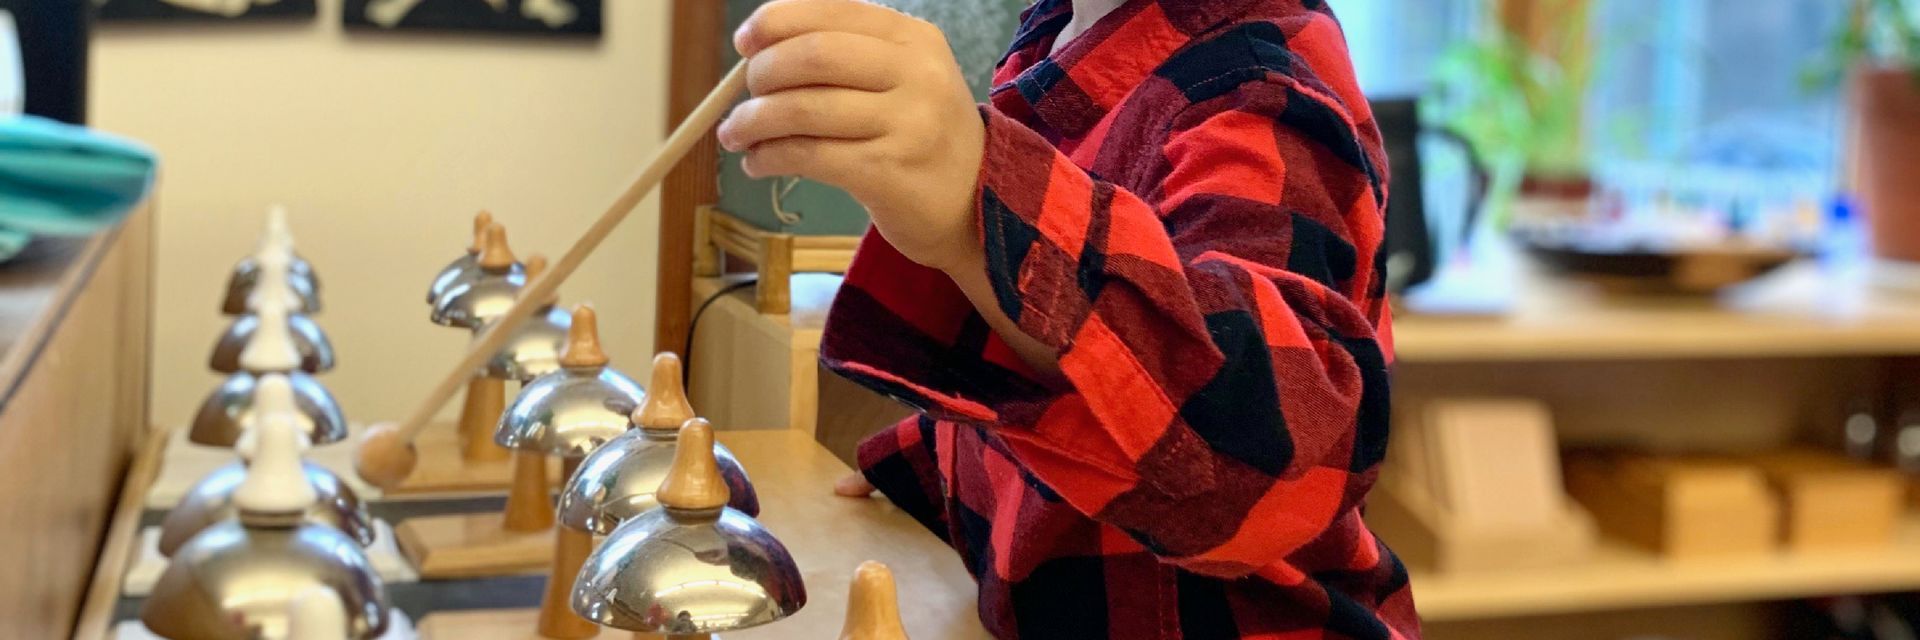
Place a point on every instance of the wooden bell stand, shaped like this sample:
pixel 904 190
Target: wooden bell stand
pixel 775 256
pixel 516 541
pixel 464 459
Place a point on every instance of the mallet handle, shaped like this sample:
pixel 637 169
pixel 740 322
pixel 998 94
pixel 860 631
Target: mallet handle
pixel 541 290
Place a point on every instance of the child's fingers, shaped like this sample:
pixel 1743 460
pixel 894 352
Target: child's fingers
pixel 814 112
pixel 835 58
pixel 783 19
pixel 834 162
pixel 853 485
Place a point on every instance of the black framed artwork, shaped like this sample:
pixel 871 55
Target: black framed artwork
pixel 577 18
pixel 202 10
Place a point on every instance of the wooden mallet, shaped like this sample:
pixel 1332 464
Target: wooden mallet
pixel 386 454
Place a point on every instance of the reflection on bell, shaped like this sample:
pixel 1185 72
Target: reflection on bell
pixel 239 579
pixel 246 274
pixel 617 481
pixel 464 269
pixel 693 566
pixel 572 411
pixel 210 501
pixel 534 349
pixel 471 304
pixel 317 614
pixel 873 607
pixel 220 419
pixel 316 353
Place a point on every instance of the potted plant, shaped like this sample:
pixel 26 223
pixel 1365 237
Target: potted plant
pixel 1519 102
pixel 1878 51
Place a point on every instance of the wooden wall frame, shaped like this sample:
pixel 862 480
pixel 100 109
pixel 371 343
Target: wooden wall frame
pixel 695 65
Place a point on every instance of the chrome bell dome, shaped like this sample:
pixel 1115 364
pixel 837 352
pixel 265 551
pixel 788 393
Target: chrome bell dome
pixel 465 268
pixel 617 481
pixel 534 349
pixel 238 579
pixel 570 412
pixel 471 304
pixel 210 501
pixel 693 566
pixel 221 417
pixel 246 275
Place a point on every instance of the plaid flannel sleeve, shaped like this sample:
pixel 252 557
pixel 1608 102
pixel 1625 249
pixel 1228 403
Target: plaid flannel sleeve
pixel 1228 382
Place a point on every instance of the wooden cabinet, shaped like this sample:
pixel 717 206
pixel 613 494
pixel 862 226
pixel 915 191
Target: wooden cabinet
pixel 73 403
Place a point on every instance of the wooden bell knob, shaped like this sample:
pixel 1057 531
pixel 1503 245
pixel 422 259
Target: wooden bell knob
pixel 495 255
pixel 666 407
pixel 535 265
pixel 583 340
pixel 873 606
pixel 694 482
pixel 481 221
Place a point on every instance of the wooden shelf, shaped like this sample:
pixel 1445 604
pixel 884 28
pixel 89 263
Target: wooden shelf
pixel 1799 311
pixel 1624 577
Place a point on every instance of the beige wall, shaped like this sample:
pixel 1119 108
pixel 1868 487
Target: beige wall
pixel 383 147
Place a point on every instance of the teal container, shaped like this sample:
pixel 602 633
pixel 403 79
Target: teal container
pixel 979 31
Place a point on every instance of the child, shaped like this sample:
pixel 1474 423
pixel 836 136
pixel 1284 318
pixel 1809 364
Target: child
pixel 1137 298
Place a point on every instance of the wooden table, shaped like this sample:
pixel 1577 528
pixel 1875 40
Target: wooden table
pixel 828 535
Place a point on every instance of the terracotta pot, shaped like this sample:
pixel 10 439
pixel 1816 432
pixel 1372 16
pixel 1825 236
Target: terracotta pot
pixel 1887 146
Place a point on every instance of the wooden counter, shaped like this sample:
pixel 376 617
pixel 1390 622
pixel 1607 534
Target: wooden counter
pixel 1799 311
pixel 73 402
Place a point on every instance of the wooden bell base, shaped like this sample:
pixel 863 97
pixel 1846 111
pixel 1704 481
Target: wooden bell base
pixel 472 546
pixel 444 469
pixel 514 624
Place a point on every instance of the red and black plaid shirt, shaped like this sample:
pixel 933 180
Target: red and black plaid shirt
pixel 1186 202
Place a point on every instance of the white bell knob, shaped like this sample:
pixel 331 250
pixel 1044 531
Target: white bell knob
pixel 316 613
pixel 279 234
pixel 272 287
pixel 276 483
pixel 272 395
pixel 271 348
pixel 247 444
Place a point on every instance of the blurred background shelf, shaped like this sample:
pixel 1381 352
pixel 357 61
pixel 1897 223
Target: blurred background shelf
pixel 1620 577
pixel 1799 311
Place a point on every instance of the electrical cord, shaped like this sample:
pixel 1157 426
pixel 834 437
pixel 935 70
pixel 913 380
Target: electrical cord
pixel 693 326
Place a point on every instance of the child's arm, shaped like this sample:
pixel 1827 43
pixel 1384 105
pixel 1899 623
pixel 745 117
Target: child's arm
pixel 1224 396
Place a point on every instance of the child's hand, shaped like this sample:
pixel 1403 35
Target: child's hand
pixel 870 100
pixel 853 485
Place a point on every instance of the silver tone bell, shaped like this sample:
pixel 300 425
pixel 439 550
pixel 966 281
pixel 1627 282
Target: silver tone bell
pixel 316 352
pixel 465 268
pixel 471 304
pixel 221 418
pixel 534 349
pixel 239 580
pixel 693 566
pixel 245 277
pixel 569 412
pixel 617 481
pixel 210 501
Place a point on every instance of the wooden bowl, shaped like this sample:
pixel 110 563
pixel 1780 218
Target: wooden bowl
pixel 1692 270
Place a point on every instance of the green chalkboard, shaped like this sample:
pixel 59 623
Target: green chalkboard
pixel 978 30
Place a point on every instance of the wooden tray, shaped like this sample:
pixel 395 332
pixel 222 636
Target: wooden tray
pixel 775 256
